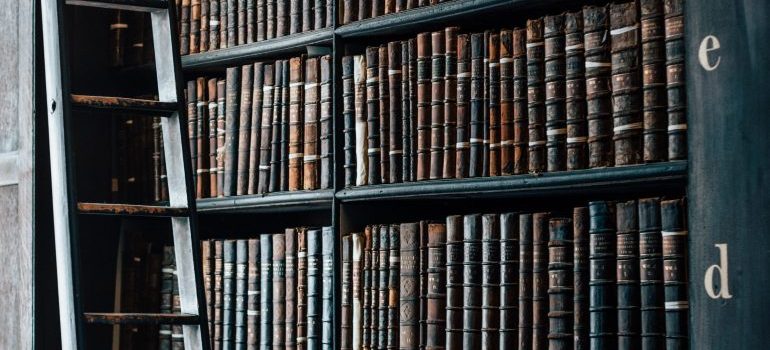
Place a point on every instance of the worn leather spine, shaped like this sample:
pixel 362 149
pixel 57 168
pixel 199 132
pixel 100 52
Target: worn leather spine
pixel 252 295
pixel 652 303
pixel 450 102
pixel 202 140
pixel 346 314
pixel 192 122
pixel 454 282
pixel 279 291
pixel 184 28
pixel 462 138
pixel 435 321
pixel 212 134
pixel 525 281
pixel 477 106
pixel 319 11
pixel 307 15
pixel 472 279
pixel 231 130
pixel 251 25
pixel 536 96
pixel 407 118
pixel 675 255
pixel 295 16
pixel 362 135
pixel 302 288
pixel 560 285
pixel 423 105
pixel 275 137
pixel 296 123
pixel 285 105
pixel 424 231
pixel 349 121
pixel 241 28
pixel 325 167
pixel 395 135
pixel 290 308
pixel 310 159
pixel 261 21
pixel 327 288
pixel 437 105
pixel 675 76
pixel 384 109
pixel 581 271
pixel 575 94
pixel 628 293
pixel 485 119
pixel 413 106
pixel 270 18
pixel 509 281
pixel 364 11
pixel 490 281
pixel 241 262
pixel 218 290
pixel 506 102
pixel 493 105
pixel 394 266
pixel 357 285
pixel 520 103
pixel 232 22
pixel 602 300
pixel 266 291
pixel 555 93
pixel 223 4
pixel 374 289
pixel 598 90
pixel 366 311
pixel 244 129
pixel 266 129
pixel 282 18
pixel 373 115
pixel 653 80
pixel 221 136
pixel 256 125
pixel 349 11
pixel 540 280
pixel 626 84
pixel 214 24
pixel 409 286
pixel 314 288
pixel 382 287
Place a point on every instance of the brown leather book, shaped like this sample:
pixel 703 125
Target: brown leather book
pixel 366 312
pixel 472 279
pixel 675 75
pixel 349 11
pixel 232 23
pixel 409 286
pixel 266 129
pixel 221 121
pixel 454 282
pixel 274 185
pixel 270 17
pixel 437 105
pixel 214 25
pixel 192 123
pixel 540 280
pixel 394 267
pixel 525 281
pixel 653 80
pixel 423 105
pixel 290 320
pixel 364 10
pixel 282 18
pixel 204 27
pixel 346 305
pixel 279 290
pixel 400 5
pixel 202 140
pixel 295 16
pixel 555 109
pixel 374 289
pixel 261 21
pixel 207 259
pixel 435 321
pixel 490 281
pixel 382 287
pixel 357 285
pixel 462 139
pixel 575 95
pixel 373 115
pixel 244 129
pixel 509 280
pixel 626 85
pixel 581 270
pixel 384 105
pixel 241 28
pixel 349 121
pixel 598 93
pixel 285 128
pixel 195 26
pixel 156 163
pixel 256 125
pixel 477 117
pixel 407 118
pixel 251 19
pixel 232 100
pixel 312 113
pixel 319 9
pixel 506 102
pixel 223 23
pixel 395 152
pixel 450 102
pixel 560 287
pixel 485 104
pixel 296 123
pixel 212 134
pixel 390 6
pixel 493 104
pixel 241 291
pixel 307 15
pixel 362 135
pixel 627 267
pixel 536 96
pixel 325 138
pixel 184 28
pixel 423 284
pixel 301 289
pixel 675 254
pixel 377 7
pixel 520 109
pixel 413 106
pixel 218 290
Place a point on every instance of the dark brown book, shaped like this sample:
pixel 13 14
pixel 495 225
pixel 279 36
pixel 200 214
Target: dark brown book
pixel 232 23
pixel 485 115
pixel 454 282
pixel 506 102
pixel 598 94
pixel 241 287
pixel 364 11
pixel 360 103
pixel 525 281
pixel 301 288
pixel 536 96
pixel 555 86
pixel 261 21
pixel 214 25
pixel 312 113
pixel 407 118
pixel 476 125
pixel 296 123
pixel 509 281
pixel 202 140
pixel 244 129
pixel 394 268
pixel 560 287
pixel 423 314
pixel 675 75
pixel 282 18
pixel 520 109
pixel 295 16
pixel 423 105
pixel 435 321
pixel 290 319
pixel 266 129
pixel 266 291
pixel 270 17
pixel 204 26
pixel 675 280
pixel 382 286
pixel 366 309
pixel 602 301
pixel 437 105
pixel 212 137
pixel 307 15
pixel 242 27
pixel 349 11
pixel 223 4
pixel 274 184
pixel 540 280
pixel 157 136
pixel 251 18
pixel 349 121
pixel 413 107
pixel 231 130
pixel 575 95
pixel 626 84
pixel 493 104
pixel 319 10
pixel 377 7
pixel 390 6
pixel 450 102
pixel 184 28
pixel 374 288
pixel 218 291
pixel 462 139
pixel 279 290
pixel 284 164
pixel 384 108
pixel 252 297
pixel 653 80
pixel 221 139
pixel 472 279
pixel 256 126
pixel 325 138
pixel 346 305
pixel 628 292
pixel 409 282
pixel 357 285
pixel 580 271
pixel 195 26
pixel 373 115
pixel 490 281
pixel 653 324
pixel 192 123
pixel 395 151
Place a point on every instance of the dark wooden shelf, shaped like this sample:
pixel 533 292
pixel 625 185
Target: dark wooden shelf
pixel 591 182
pixel 295 201
pixel 271 48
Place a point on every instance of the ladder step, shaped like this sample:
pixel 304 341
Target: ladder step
pixel 124 104
pixel 131 210
pixel 130 5
pixel 140 318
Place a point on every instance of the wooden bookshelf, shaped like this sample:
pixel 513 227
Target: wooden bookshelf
pixel 278 202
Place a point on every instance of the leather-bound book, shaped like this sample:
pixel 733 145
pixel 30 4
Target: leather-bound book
pixel 270 17
pixel 212 137
pixel 382 287
pixel 436 287
pixel 399 6
pixel 575 94
pixel 327 147
pixel 540 280
pixel 506 102
pixel 560 285
pixel 256 125
pixel 202 140
pixel 409 286
pixel 327 288
pixel 314 288
pixel 282 18
pixel 241 287
pixel 626 84
pixel 207 257
pixel 395 136
pixel 362 135
pixel 490 280
pixel 477 106
pixel 261 20
pixel 373 115
pixel 437 105
pixel 232 22
pixel 156 163
pixel 423 284
pixel 290 309
pixel 675 75
pixel 204 27
pixel 266 291
pixel 653 80
pixel 374 290
pixel 346 324
pixel 218 291
pixel 423 105
pixel 472 277
pixel 384 105
pixel 413 107
pixel 285 102
pixel 536 96
pixel 602 301
pixel 377 7
pixel 320 14
pixel 241 28
pixel 184 28
pixel 192 123
pixel 493 104
pixel 454 282
pixel 509 281
pixel 266 128
pixel 462 138
pixel 627 251
pixel 177 335
pixel 520 109
pixel 485 114
pixel 366 295
pixel 394 267
pixel 228 294
pixel 555 93
pixel 312 114
pixel 244 130
pixel 357 284
pixel 407 118
pixel 231 130
pixel 598 94
pixel 275 137
pixel 307 15
pixel 295 16
pixel 653 324
pixel 674 231
pixel 223 23
pixel 252 295
pixel 390 6
pixel 349 120
pixel 251 19
pixel 364 11
pixel 302 288
pixel 580 271
pixel 525 281
pixel 330 6
pixel 349 11
pixel 421 3
pixel 214 25
pixel 296 123
pixel 450 102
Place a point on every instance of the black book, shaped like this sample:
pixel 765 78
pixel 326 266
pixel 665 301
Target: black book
pixel 653 326
pixel 555 93
pixel 231 130
pixel 628 275
pixel 382 287
pixel 540 280
pixel 279 290
pixel 266 291
pixel 560 287
pixel 349 120
pixel 346 326
pixel 266 129
pixel 314 289
pixel 228 294
pixel 373 114
pixel 675 75
pixel 525 281
pixel 325 122
pixel 490 281
pixel 241 263
pixel 674 231
pixel 472 281
pixel 290 318
pixel 536 96
pixel 252 295
pixel 275 138
pixel 327 288
pixel 509 281
pixel 477 106
pixel 581 272
pixel 454 282
pixel 284 140
pixel 218 293
pixel 407 118
pixel 601 306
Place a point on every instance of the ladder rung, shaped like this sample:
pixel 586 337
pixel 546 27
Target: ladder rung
pixel 140 318
pixel 130 209
pixel 130 5
pixel 123 104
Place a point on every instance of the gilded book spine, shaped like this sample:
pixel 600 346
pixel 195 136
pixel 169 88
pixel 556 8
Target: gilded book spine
pixel 311 133
pixel 626 84
pixel 653 80
pixel 535 96
pixel 231 130
pixel 575 96
pixel 555 93
pixel 374 152
pixel 520 109
pixel 244 129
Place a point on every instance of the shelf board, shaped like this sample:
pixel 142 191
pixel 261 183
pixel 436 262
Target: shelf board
pixel 271 48
pixel 294 201
pixel 591 182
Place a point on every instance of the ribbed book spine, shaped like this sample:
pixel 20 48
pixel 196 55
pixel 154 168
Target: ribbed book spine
pixel 349 120
pixel 472 278
pixel 296 123
pixel 450 102
pixel 223 23
pixel 413 107
pixel 346 324
pixel 509 281
pixel 156 163
pixel 602 305
pixel 436 287
pixel 555 93
pixel 628 292
pixel 423 284
pixel 314 288
pixel 251 25
pixel 228 294
pixel 394 267
pixel 382 287
pixel 360 104
pixel 252 295
pixel 407 118
pixel 192 123
pixel 675 75
pixel 285 103
pixel 207 254
pixel 525 281
pixel 357 285
pixel 485 119
pixel 212 135
pixel 282 18
pixel 437 105
pixel 626 84
pixel 409 283
pixel 266 129
pixel 535 96
pixel 374 293
pixel 560 286
pixel 493 104
pixel 520 108
pixel 396 151
pixel 241 22
pixel 312 112
pixel 454 282
pixel 184 28
pixel 653 80
pixel 307 15
pixel 232 22
pixel 279 291
pixel 366 314
pixel 363 9
pixel 581 271
pixel 490 280
pixel 244 130
pixel 325 120
pixel 674 231
pixel 540 280
pixel 598 94
pixel 349 11
pixel 256 127
pixel 166 291
pixel 177 335
pixel 462 139
pixel 241 265
pixel 384 110
pixel 202 141
pixel 575 94
pixel 295 16
pixel 270 17
pixel 204 26
pixel 274 184
pixel 218 293
pixel 266 291
pixel 261 21
pixel 423 105
pixel 373 115
pixel 477 116
pixel 319 10
pixel 653 325
pixel 506 102
pixel 214 24
pixel 327 288
pixel 302 288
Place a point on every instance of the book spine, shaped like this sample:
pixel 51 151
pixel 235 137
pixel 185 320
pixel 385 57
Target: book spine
pixel 244 130
pixel 327 288
pixel 252 295
pixel 368 277
pixel 407 118
pixel 214 24
pixel 575 95
pixel 540 280
pixel 472 279
pixel 390 6
pixel 377 8
pixel 310 158
pixel 602 314
pixel 202 140
pixel 241 27
pixel 218 293
pixel 675 75
pixel 581 270
pixel 251 25
pixel 290 319
pixel 653 322
pixel 157 137
pixel 555 93
pixel 349 120
pixel 166 296
pixel 438 63
pixel 525 281
pixel 207 252
pixel 423 284
pixel 520 109
pixel 285 103
pixel 423 105
pixel 436 287
pixel 261 21
pixel 314 288
pixel 509 281
pixel 266 291
pixel 373 115
pixel 266 129
pixel 454 282
pixel 330 13
pixel 223 4
pixel 195 26
pixel 535 96
pixel 409 287
pixel 674 231
pixel 560 284
pixel 184 29
pixel 296 123
pixel 506 102
pixel 626 84
pixel 228 294
pixel 232 23
pixel 295 17
pixel 485 115
pixel 450 102
pixel 212 137
pixel 349 11
pixel 279 291
pixel 241 265
pixel 177 337
pixel 325 138
pixel 282 18
pixel 192 123
pixel 346 316
pixel 256 127
pixel 493 105
pixel 382 287
pixel 628 293
pixel 394 268
pixel 360 104
pixel 270 17
pixel 275 137
pixel 221 135
pixel 231 131
pixel 395 152
pixel 462 139
pixel 490 280
pixel 319 21
pixel 357 285
pixel 302 288
pixel 363 9
pixel 413 108
pixel 476 124
pixel 204 26
pixel 598 94
pixel 653 80
pixel 307 15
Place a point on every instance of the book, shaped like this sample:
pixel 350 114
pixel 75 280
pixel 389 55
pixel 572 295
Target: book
pixel 314 288
pixel 327 288
pixel 555 93
pixel 278 285
pixel 296 124
pixel 364 11
pixel 560 284
pixel 266 129
pixel 241 27
pixel 212 137
pixel 192 124
pixel 232 23
pixel 228 293
pixel 377 8
pixel 454 282
pixel 477 116
pixel 506 102
pixel 598 91
pixel 311 132
pixel 290 318
pixel 214 24
pixel 307 15
pixel 382 286
pixel 407 117
pixel 223 23
pixel 204 26
pixel 653 80
pixel 423 105
pixel 270 17
pixel 266 291
pixel 409 282
pixel 207 254
pixel 195 26
pixel 274 184
pixel 675 86
pixel 626 84
pixel 493 105
pixel 525 281
pixel 413 106
pixel 394 269
pixel 284 140
pixel 575 94
pixel 295 16
pixel 261 21
pixel 438 62
pixel 357 285
pixel 166 291
pixel 535 96
pixel 628 292
pixel 184 28
pixel 520 109
pixel 674 230
pixel 436 287
pixel 252 294
pixel 241 287
pixel 244 129
pixel 485 106
pixel 221 136
pixel 472 279
pixel 218 293
pixel 462 138
pixel 509 280
pixel 202 140
pixel 424 231
pixel 373 115
pixel 319 9
pixel 251 24
pixel 177 337
pixel 540 280
pixel 231 131
pixel 325 139
pixel 602 303
pixel 302 288
pixel 346 303
pixel 450 102
pixel 156 163
pixel 349 121
pixel 368 279
pixel 395 135
pixel 349 11
pixel 282 18
pixel 490 275
pixel 580 271
pixel 362 136
pixel 652 302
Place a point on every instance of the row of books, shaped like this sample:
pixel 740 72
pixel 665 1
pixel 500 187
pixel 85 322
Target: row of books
pixel 206 25
pixel 611 275
pixel 169 336
pixel 594 88
pixel 272 291
pixel 265 128
pixel 355 10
